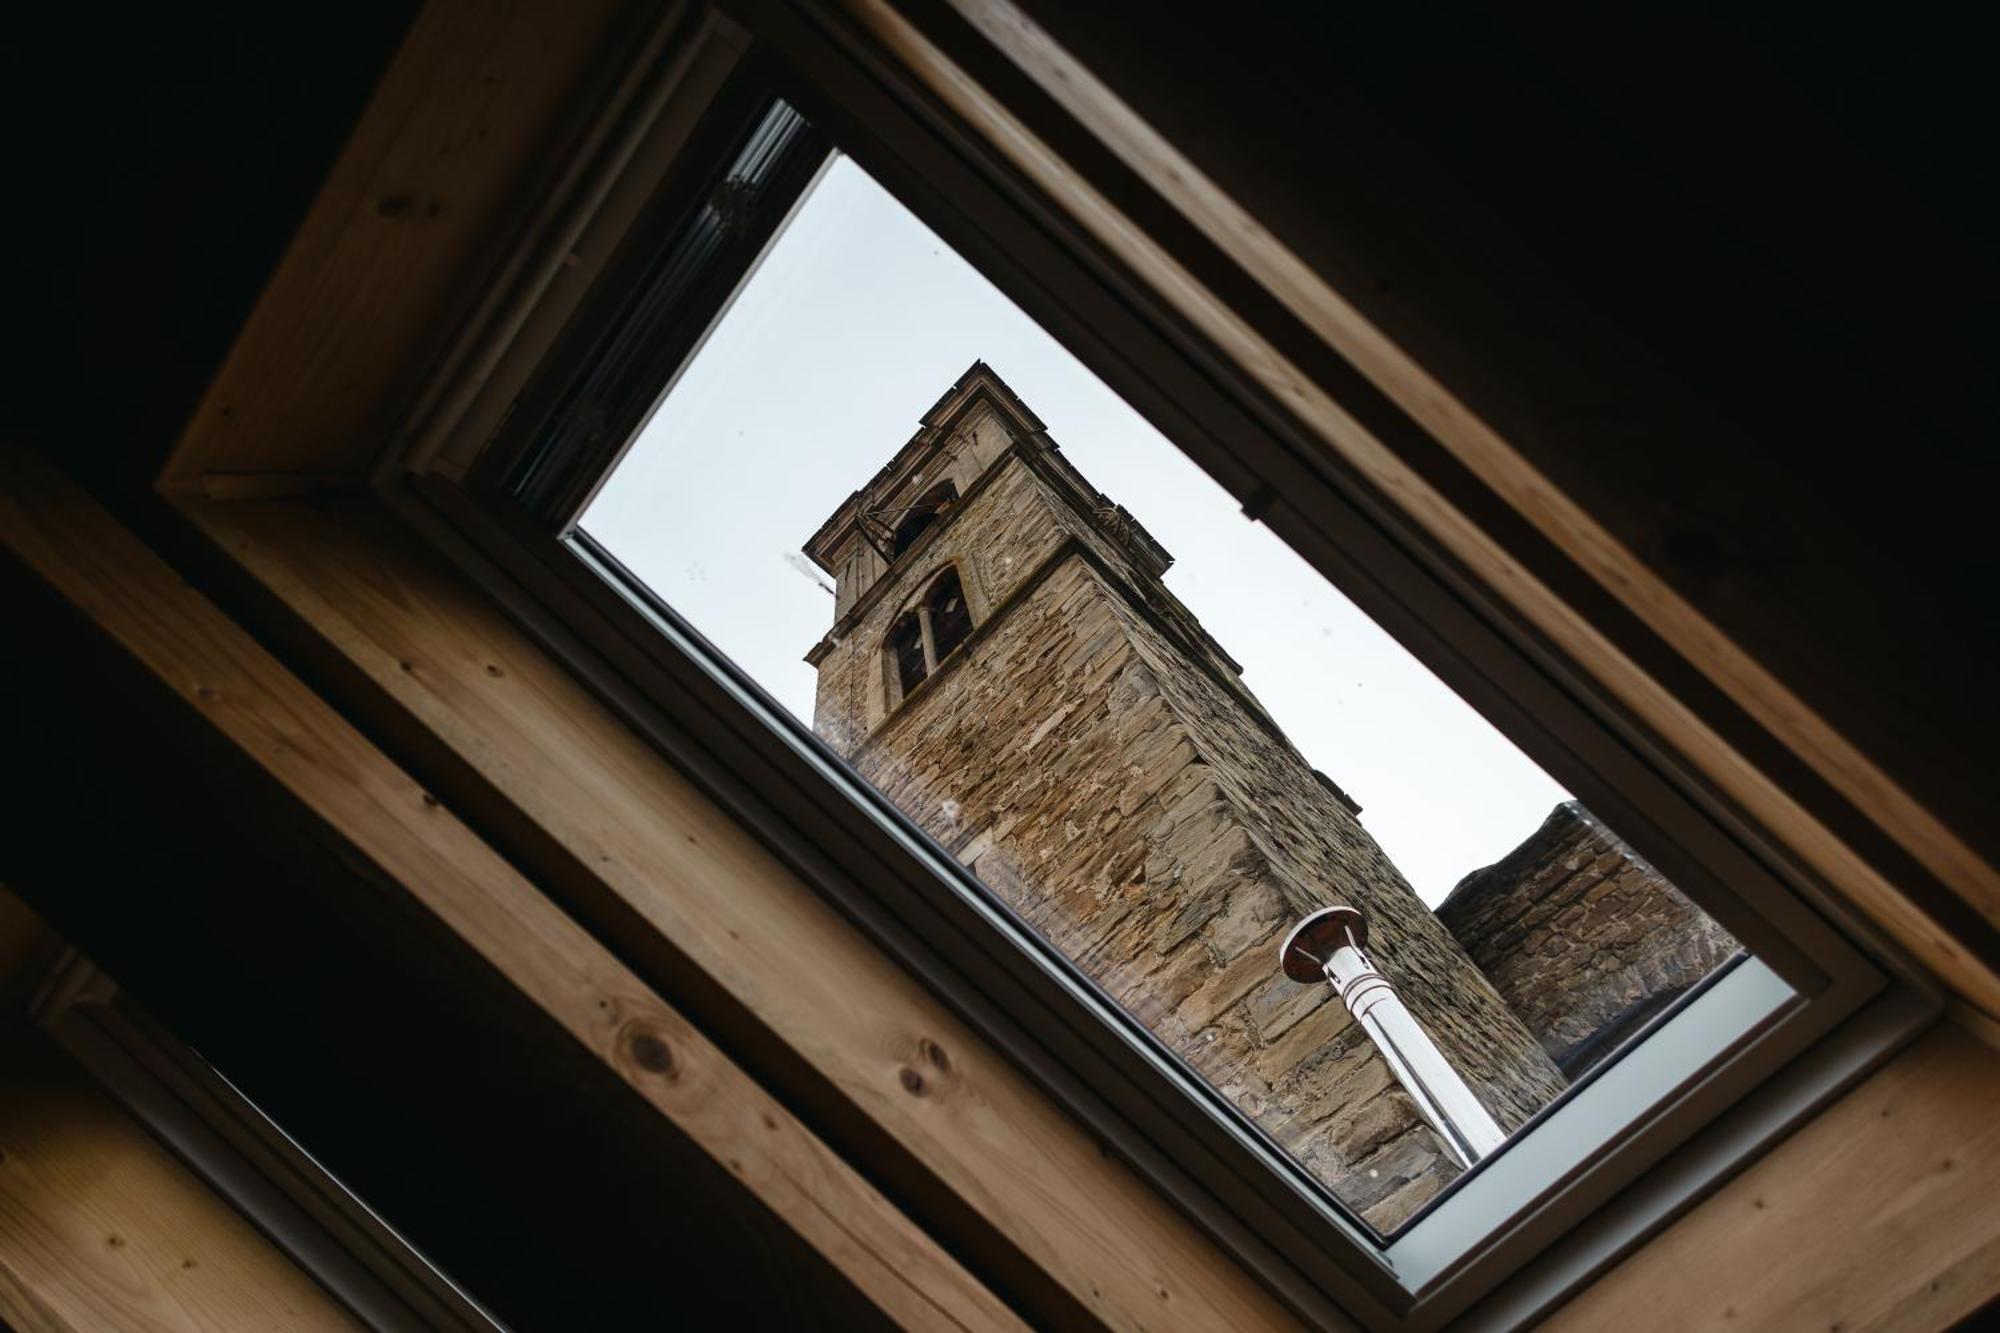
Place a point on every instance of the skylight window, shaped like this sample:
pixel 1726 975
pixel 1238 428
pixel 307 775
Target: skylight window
pixel 1383 1002
pixel 1124 751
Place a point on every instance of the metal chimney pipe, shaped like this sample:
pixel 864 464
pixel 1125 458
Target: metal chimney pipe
pixel 1327 946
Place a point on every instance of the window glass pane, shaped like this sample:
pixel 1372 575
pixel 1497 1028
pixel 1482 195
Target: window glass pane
pixel 1162 763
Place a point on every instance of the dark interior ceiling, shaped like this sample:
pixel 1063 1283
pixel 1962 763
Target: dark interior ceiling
pixel 160 158
pixel 517 1161
pixel 1729 278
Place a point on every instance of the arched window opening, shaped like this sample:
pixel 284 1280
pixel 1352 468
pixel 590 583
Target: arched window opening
pixel 925 635
pixel 906 646
pixel 950 617
pixel 917 519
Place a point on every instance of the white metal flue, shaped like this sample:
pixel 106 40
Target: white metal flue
pixel 1328 946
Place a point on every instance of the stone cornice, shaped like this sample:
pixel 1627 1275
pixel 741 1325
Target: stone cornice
pixel 1040 455
pixel 979 384
pixel 909 558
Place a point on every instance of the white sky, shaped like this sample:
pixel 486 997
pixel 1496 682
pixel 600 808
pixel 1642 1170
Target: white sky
pixel 857 320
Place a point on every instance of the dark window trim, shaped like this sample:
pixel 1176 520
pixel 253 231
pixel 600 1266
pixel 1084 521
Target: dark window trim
pixel 722 729
pixel 746 167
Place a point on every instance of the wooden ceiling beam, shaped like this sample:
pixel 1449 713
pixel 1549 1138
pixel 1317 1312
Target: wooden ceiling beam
pixel 307 750
pixel 440 173
pixel 505 731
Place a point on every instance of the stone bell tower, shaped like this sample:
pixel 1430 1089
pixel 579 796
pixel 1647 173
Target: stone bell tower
pixel 1007 666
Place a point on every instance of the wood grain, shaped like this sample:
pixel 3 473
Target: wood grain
pixel 1881 1214
pixel 294 736
pixel 565 763
pixel 432 179
pixel 1311 299
pixel 100 1228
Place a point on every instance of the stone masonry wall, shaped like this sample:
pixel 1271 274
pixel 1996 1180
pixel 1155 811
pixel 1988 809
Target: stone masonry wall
pixel 1100 768
pixel 1001 534
pixel 1051 762
pixel 1321 854
pixel 1583 938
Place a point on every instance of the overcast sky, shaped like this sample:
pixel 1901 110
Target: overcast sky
pixel 853 325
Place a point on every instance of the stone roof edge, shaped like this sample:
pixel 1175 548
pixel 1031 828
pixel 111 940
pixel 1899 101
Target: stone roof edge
pixel 930 535
pixel 933 427
pixel 1039 454
pixel 1478 884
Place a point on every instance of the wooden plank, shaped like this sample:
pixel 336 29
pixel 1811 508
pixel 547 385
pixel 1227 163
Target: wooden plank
pixel 100 1228
pixel 460 669
pixel 435 171
pixel 1312 300
pixel 295 737
pixel 1882 1213
pixel 413 1086
pixel 1976 1022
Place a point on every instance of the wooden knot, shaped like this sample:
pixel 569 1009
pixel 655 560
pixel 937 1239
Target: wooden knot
pixel 650 1053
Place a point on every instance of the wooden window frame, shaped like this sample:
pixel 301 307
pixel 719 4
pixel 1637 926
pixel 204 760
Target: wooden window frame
pixel 463 484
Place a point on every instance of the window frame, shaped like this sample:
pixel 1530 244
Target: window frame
pixel 719 727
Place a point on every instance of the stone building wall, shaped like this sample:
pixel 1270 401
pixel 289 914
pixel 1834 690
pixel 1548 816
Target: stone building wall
pixel 1050 761
pixel 998 534
pixel 977 440
pixel 1321 854
pixel 1091 755
pixel 1582 938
